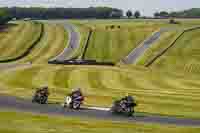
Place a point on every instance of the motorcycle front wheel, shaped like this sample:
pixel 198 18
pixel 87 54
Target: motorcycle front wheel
pixel 76 105
pixel 129 112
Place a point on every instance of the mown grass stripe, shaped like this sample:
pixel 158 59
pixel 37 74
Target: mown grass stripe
pixel 28 50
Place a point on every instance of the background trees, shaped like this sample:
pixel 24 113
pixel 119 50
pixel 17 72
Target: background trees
pixel 63 13
pixel 137 14
pixel 190 13
pixel 4 17
pixel 129 14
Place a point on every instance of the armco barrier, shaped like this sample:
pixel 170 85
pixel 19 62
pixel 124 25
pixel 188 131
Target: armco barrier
pixel 87 44
pixel 81 62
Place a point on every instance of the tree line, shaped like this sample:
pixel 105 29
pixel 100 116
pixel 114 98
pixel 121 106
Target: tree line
pixel 4 17
pixel 7 14
pixel 63 13
pixel 130 14
pixel 190 13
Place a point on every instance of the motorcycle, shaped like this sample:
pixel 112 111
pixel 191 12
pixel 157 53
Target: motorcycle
pixel 40 98
pixel 121 107
pixel 73 103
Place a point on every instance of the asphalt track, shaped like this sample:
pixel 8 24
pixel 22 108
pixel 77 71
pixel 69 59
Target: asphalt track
pixel 137 52
pixel 22 105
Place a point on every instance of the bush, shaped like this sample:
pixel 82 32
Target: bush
pixel 4 17
pixel 112 27
pixel 172 21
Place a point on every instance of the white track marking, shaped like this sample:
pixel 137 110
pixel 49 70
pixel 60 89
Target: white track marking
pixel 98 108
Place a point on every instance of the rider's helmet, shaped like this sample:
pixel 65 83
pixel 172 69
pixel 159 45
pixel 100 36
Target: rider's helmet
pixel 76 89
pixel 129 98
pixel 127 94
pixel 45 90
pixel 45 87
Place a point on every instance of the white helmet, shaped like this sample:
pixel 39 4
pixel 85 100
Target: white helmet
pixel 76 89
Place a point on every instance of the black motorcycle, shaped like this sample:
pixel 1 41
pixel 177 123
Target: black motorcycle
pixel 123 107
pixel 40 98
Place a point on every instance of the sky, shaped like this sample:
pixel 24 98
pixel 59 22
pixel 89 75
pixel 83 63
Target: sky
pixel 147 7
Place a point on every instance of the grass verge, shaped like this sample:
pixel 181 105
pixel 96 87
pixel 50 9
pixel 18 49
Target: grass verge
pixel 18 122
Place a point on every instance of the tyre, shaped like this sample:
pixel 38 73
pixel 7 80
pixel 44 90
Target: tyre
pixel 43 99
pixel 129 112
pixel 35 99
pixel 76 105
pixel 71 106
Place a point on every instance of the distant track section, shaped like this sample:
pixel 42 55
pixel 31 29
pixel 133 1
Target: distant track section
pixel 73 43
pixel 171 45
pixel 137 52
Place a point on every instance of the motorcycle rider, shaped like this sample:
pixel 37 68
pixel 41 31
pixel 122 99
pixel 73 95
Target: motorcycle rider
pixel 43 91
pixel 76 93
pixel 74 99
pixel 41 95
pixel 127 101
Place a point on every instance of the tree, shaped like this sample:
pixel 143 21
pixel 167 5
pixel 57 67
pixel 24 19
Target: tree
pixel 173 14
pixel 164 14
pixel 4 17
pixel 156 14
pixel 137 14
pixel 129 13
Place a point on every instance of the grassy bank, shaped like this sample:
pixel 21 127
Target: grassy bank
pixel 172 94
pixel 112 44
pixel 52 43
pixel 183 55
pixel 163 42
pixel 16 41
pixel 12 122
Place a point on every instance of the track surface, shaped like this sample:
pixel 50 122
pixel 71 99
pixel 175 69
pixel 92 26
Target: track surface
pixel 73 43
pixel 18 104
pixel 137 52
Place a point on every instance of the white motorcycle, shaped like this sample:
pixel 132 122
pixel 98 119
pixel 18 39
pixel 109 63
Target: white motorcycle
pixel 73 103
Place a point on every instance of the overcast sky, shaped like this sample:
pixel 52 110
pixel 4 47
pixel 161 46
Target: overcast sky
pixel 147 7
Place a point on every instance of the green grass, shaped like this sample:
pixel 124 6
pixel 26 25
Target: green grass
pixel 183 56
pixel 53 41
pixel 16 122
pixel 157 91
pixel 163 42
pixel 114 44
pixel 17 40
pixel 171 94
